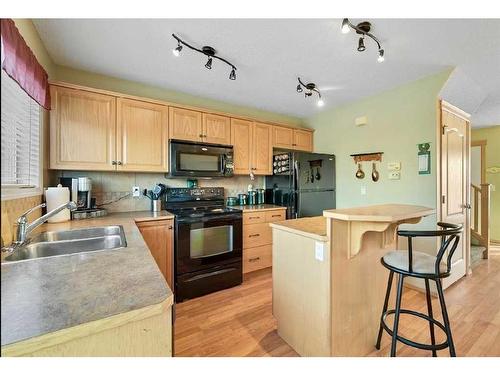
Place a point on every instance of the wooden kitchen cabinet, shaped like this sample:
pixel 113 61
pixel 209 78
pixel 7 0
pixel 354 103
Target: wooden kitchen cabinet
pixel 258 238
pixel 216 129
pixel 158 235
pixel 241 139
pixel 302 140
pixel 185 124
pixel 142 136
pixel 82 130
pixel 282 137
pixel 262 149
pixel 292 139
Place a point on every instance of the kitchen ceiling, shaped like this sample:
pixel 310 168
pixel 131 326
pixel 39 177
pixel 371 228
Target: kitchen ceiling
pixel 271 53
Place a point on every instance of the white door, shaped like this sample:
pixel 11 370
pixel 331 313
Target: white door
pixel 455 177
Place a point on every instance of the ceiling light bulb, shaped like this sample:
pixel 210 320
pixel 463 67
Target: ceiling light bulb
pixel 208 65
pixel 177 51
pixel 345 26
pixel 232 76
pixel 361 44
pixel 320 103
pixel 299 88
pixel 381 57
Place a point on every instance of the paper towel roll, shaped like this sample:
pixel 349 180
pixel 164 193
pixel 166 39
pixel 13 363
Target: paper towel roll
pixel 54 197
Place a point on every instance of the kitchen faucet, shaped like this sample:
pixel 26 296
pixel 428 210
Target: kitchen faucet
pixel 24 229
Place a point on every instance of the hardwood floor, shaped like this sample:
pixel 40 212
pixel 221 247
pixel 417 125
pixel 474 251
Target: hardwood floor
pixel 239 321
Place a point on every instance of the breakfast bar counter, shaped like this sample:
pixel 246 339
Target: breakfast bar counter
pixel 49 301
pixel 328 290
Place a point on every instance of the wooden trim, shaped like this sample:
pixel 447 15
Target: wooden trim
pixel 172 104
pixel 455 110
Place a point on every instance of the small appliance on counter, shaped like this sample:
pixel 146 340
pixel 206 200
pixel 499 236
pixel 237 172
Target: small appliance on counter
pixel 208 241
pixel 80 192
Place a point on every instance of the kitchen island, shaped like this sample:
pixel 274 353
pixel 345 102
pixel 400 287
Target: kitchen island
pixel 101 303
pixel 328 283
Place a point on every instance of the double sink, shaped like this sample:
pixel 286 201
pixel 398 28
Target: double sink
pixel 57 243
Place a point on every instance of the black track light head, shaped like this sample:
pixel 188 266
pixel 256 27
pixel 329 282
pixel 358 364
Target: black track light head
pixel 232 75
pixel 381 57
pixel 299 88
pixel 345 26
pixel 361 44
pixel 307 94
pixel 208 65
pixel 177 51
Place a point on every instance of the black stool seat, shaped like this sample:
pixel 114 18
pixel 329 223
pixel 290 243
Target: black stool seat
pixel 424 266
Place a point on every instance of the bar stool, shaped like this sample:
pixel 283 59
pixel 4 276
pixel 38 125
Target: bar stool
pixel 423 266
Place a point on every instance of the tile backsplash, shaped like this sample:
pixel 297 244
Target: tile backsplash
pixel 113 190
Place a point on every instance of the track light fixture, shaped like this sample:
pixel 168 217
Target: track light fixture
pixel 310 88
pixel 208 51
pixel 363 29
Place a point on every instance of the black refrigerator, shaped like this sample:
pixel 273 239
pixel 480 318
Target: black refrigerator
pixel 303 182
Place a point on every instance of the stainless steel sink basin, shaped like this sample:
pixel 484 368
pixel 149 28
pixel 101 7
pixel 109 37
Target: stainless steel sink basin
pixel 50 244
pixel 78 234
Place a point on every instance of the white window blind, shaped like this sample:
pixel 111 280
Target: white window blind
pixel 20 120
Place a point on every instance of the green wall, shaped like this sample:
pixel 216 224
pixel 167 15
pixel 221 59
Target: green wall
pixel 398 120
pixel 492 136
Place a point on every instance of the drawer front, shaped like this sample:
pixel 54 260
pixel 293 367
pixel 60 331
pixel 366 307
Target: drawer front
pixel 275 216
pixel 254 217
pixel 257 258
pixel 257 235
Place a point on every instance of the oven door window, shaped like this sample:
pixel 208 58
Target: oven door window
pixel 199 162
pixel 206 242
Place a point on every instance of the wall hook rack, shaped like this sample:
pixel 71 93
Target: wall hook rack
pixel 371 156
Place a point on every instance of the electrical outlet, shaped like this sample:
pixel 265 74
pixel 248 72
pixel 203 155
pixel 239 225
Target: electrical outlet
pixel 136 191
pixel 319 251
pixel 396 175
pixel 394 166
pixel 363 190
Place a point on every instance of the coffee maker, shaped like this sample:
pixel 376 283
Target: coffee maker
pixel 80 191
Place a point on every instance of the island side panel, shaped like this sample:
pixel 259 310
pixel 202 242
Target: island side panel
pixel 301 293
pixel 358 289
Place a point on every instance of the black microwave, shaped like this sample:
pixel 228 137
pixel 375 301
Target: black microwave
pixel 191 159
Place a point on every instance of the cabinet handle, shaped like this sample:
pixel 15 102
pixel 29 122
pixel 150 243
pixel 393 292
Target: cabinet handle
pixel 119 163
pixel 276 216
pixel 254 235
pixel 113 162
pixel 254 259
pixel 253 217
pixel 170 227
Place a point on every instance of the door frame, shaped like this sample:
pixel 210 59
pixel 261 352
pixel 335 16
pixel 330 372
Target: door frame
pixel 439 129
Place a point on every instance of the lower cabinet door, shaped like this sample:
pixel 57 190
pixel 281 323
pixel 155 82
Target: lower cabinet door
pixel 257 258
pixel 158 235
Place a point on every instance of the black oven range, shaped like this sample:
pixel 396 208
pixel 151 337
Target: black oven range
pixel 208 241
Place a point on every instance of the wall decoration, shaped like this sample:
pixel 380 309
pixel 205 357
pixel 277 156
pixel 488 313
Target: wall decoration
pixel 424 158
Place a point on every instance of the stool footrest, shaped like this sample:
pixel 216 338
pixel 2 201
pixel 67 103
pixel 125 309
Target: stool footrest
pixel 412 343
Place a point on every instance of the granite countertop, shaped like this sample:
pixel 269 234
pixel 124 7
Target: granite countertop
pixel 44 295
pixel 313 227
pixel 260 207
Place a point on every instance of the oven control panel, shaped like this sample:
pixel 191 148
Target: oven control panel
pixel 186 194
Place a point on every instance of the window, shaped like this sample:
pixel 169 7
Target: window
pixel 20 121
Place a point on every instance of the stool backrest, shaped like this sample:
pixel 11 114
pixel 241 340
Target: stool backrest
pixel 450 236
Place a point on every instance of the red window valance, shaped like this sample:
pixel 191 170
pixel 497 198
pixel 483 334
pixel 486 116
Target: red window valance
pixel 20 63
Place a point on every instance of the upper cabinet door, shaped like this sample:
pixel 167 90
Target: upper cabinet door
pixel 82 130
pixel 262 150
pixel 302 140
pixel 185 124
pixel 282 137
pixel 241 139
pixel 216 129
pixel 142 136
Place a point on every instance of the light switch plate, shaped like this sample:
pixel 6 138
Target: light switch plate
pixel 394 166
pixel 395 175
pixel 319 251
pixel 363 190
